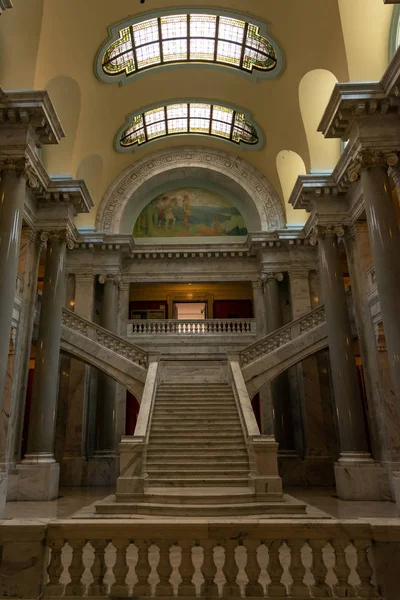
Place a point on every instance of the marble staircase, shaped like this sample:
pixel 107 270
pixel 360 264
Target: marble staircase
pixel 197 460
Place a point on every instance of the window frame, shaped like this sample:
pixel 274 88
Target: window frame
pixel 123 78
pixel 170 136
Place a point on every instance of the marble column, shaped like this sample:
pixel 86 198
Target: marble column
pixel 39 473
pixel 73 467
pixel 384 235
pixel 102 467
pixel 351 422
pixel 259 308
pixel 123 316
pixel 12 198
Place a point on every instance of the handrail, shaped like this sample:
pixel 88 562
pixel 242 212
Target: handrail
pixel 191 327
pixel 282 336
pixel 104 337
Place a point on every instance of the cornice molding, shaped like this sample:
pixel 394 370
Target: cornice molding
pixel 34 108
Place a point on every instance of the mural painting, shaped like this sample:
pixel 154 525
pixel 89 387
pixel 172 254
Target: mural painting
pixel 189 212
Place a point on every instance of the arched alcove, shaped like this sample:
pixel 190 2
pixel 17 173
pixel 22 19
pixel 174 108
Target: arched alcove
pixel 91 171
pixel 141 182
pixel 314 93
pixel 290 165
pixel 65 94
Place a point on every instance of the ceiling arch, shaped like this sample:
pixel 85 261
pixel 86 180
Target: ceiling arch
pixel 290 165
pixel 255 197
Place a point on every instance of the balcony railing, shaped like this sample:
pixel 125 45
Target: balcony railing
pixel 191 327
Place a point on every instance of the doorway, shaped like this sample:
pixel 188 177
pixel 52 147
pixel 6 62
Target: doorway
pixel 190 311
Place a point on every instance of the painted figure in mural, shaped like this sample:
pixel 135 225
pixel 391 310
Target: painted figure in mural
pixel 187 209
pixel 217 226
pixel 170 218
pixel 161 211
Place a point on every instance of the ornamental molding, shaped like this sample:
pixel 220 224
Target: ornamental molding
pixel 58 235
pixel 31 108
pixel 266 199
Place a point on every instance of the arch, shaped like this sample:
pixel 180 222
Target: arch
pixel 188 117
pixel 65 93
pixel 258 201
pixel 90 169
pixel 290 165
pixel 314 93
pixel 188 36
pixel 366 30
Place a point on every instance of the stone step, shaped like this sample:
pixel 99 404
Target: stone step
pixel 195 384
pixel 194 481
pixel 193 470
pixel 190 454
pixel 204 495
pixel 195 463
pixel 192 510
pixel 211 406
pixel 200 396
pixel 194 439
pixel 204 418
pixel 185 444
pixel 196 427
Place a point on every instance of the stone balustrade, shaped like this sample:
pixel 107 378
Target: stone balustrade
pixel 297 559
pixel 191 327
pixel 104 337
pixel 282 336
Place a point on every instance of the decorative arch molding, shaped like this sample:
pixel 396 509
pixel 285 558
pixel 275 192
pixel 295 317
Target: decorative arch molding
pixel 254 185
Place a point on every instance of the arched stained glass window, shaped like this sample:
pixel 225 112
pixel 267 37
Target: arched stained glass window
pixel 188 118
pixel 185 38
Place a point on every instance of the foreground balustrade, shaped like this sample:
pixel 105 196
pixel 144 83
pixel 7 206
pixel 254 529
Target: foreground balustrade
pixel 191 327
pixel 289 560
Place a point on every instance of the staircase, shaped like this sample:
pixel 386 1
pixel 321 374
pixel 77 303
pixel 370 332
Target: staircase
pixel 197 462
pixel 196 438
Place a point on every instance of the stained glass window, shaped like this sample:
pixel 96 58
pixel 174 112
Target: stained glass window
pixel 180 38
pixel 188 118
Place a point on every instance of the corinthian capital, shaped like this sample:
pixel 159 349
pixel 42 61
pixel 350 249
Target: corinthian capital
pixel 57 235
pixel 367 159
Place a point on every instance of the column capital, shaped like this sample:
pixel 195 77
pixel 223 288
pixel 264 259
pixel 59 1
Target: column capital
pixel 267 275
pixel 257 284
pixel 58 235
pixel 84 276
pixel 320 232
pixel 111 278
pixel 369 158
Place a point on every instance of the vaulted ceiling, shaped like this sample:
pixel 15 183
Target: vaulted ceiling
pixel 52 44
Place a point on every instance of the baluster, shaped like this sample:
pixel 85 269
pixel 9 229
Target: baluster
pixel 231 570
pixel 121 569
pixel 320 589
pixel 143 569
pixel 98 569
pixel 297 570
pixel 275 570
pixel 209 587
pixel 364 570
pixel 186 570
pixel 342 571
pixel 55 569
pixel 253 570
pixel 164 570
pixel 76 569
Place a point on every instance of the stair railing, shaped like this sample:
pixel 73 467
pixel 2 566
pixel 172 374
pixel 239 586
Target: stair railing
pixel 133 448
pixel 282 336
pixel 262 449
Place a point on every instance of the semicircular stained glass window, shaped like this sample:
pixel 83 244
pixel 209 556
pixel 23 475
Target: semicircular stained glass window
pixel 189 38
pixel 187 118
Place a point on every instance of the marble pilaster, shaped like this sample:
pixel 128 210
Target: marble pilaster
pixel 73 467
pixel 12 198
pixel 259 308
pixel 120 397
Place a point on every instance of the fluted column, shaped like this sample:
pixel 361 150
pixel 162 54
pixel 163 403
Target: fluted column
pixel 259 308
pixel 384 235
pixel 12 198
pixel 272 302
pixel 351 423
pixel 105 413
pixel 44 393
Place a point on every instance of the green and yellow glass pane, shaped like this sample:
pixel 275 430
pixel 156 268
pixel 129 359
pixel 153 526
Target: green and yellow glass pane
pixel 203 26
pixel 174 26
pixel 119 56
pixel 259 52
pixel 231 29
pixel 228 53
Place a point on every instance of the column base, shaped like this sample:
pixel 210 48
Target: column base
pixel 30 481
pixel 396 488
pixel 73 471
pixel 3 490
pixel 362 480
pixel 102 469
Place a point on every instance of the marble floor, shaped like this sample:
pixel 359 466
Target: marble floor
pixel 73 499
